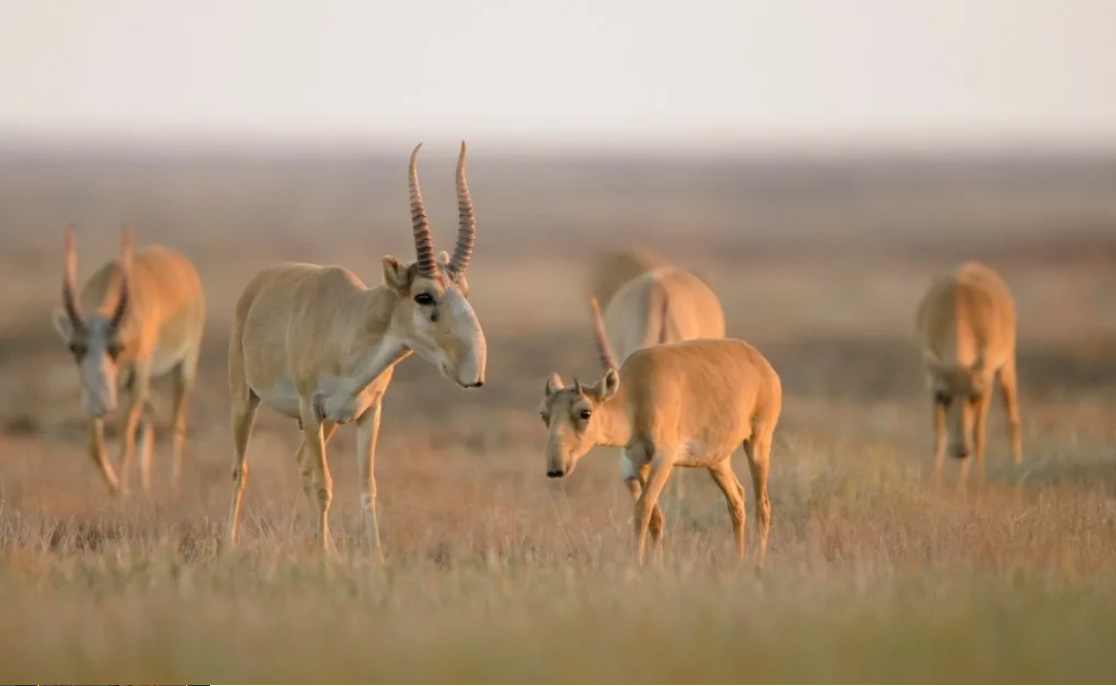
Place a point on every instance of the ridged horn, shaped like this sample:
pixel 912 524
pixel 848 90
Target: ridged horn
pixel 467 220
pixel 69 276
pixel 603 349
pixel 125 277
pixel 424 244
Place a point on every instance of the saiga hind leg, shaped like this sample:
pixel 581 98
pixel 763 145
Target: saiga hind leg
pixel 243 418
pixel 758 451
pixel 726 480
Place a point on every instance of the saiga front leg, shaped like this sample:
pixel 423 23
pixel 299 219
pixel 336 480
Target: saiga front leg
pixel 368 430
pixel 141 384
pixel 635 485
pixel 979 431
pixel 305 461
pixel 660 469
pixel 315 463
pixel 1009 389
pixel 98 452
pixel 939 440
pixel 146 440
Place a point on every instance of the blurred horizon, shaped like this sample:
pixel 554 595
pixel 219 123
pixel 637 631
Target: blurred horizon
pixel 797 78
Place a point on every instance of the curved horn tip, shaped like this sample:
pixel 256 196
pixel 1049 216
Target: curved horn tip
pixel 415 151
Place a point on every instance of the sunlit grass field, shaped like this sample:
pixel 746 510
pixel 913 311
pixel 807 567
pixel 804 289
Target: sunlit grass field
pixel 495 573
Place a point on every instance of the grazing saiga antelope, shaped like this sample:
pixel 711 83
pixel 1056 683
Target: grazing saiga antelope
pixel 665 304
pixel 966 326
pixel 610 269
pixel 315 344
pixel 136 319
pixel 684 404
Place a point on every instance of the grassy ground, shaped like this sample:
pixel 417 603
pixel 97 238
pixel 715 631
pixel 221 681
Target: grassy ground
pixel 496 574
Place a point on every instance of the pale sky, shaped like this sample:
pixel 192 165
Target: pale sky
pixel 697 72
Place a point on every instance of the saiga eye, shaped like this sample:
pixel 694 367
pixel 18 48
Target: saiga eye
pixel 424 299
pixel 585 414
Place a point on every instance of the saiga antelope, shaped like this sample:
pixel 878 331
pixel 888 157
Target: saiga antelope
pixel 665 304
pixel 966 326
pixel 315 344
pixel 685 404
pixel 610 269
pixel 136 319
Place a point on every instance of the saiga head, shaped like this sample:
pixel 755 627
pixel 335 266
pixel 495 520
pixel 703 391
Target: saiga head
pixel 570 412
pixel 432 315
pixel 95 338
pixel 957 388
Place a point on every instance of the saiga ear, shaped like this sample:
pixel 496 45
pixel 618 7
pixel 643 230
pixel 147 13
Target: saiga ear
pixel 443 260
pixel 62 324
pixel 608 385
pixel 395 274
pixel 553 384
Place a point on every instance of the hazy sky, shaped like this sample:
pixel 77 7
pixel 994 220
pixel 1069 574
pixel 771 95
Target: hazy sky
pixel 625 71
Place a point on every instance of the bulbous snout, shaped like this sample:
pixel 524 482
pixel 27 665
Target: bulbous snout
pixel 97 405
pixel 959 451
pixel 98 389
pixel 467 360
pixel 555 473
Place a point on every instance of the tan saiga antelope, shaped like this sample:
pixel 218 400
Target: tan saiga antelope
pixel 665 304
pixel 610 269
pixel 136 319
pixel 314 343
pixel 685 404
pixel 966 326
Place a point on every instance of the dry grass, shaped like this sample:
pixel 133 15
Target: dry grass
pixel 496 574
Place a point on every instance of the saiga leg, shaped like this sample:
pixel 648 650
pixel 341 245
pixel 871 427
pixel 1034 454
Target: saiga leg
pixel 939 440
pixel 315 462
pixel 306 465
pixel 726 480
pixel 758 451
pixel 146 440
pixel 980 434
pixel 141 383
pixel 245 403
pixel 184 375
pixel 98 452
pixel 368 430
pixel 660 469
pixel 635 486
pixel 1009 389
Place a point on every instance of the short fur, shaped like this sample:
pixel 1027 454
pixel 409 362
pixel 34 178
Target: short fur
pixel 314 343
pixel 686 404
pixel 136 319
pixel 611 269
pixel 966 327
pixel 664 304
